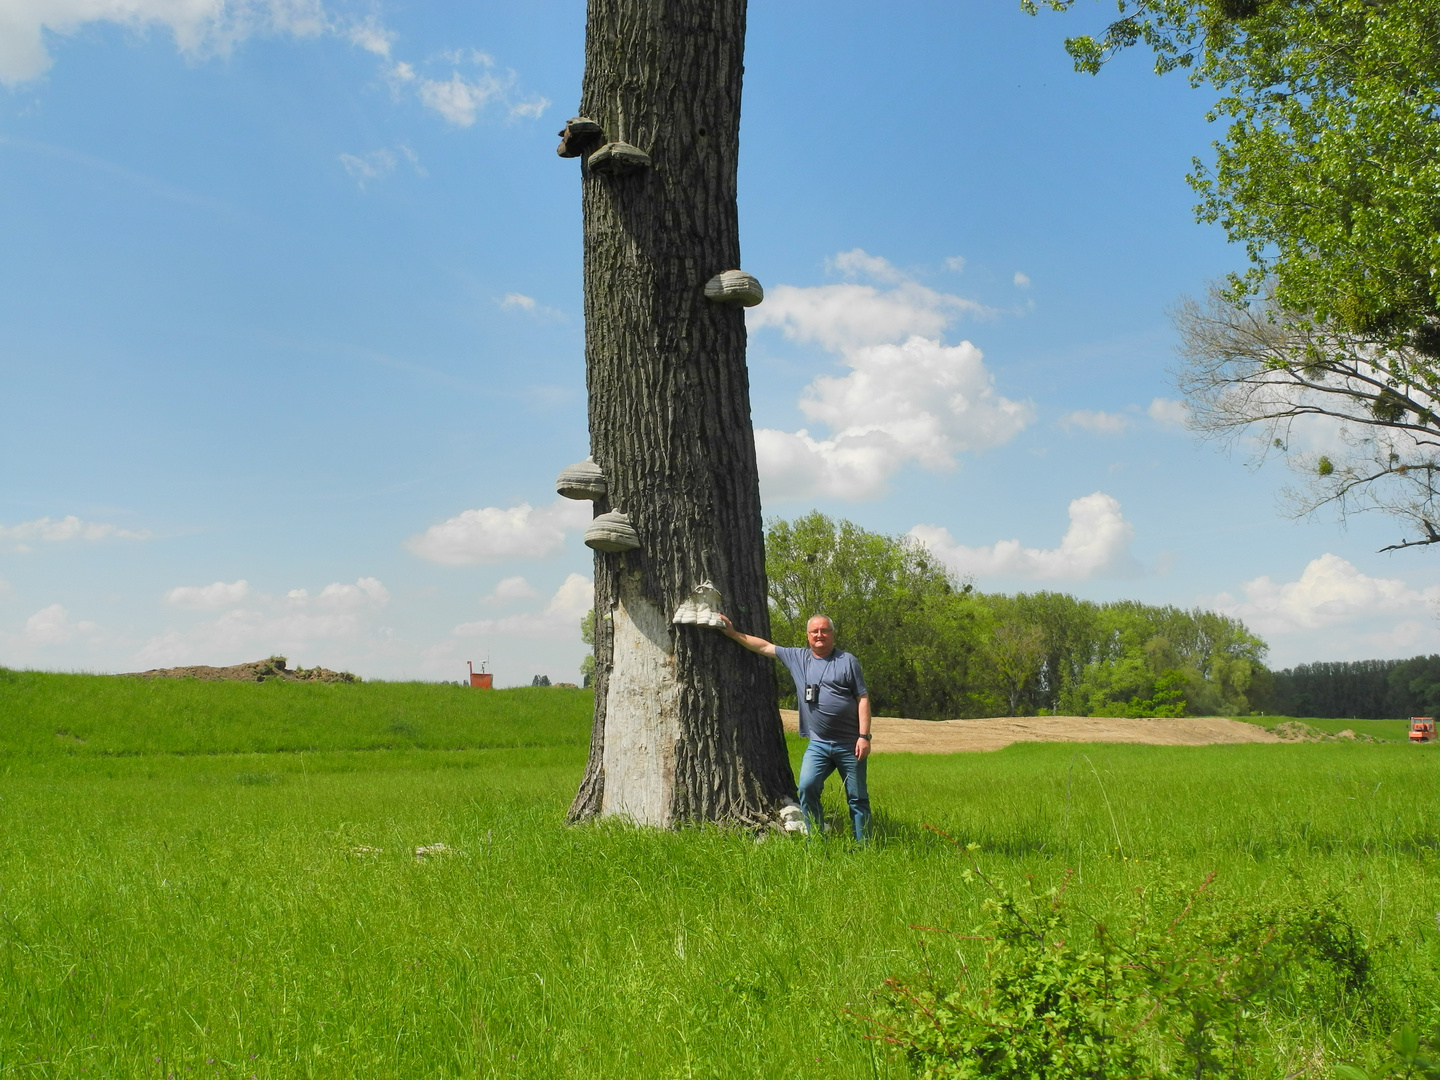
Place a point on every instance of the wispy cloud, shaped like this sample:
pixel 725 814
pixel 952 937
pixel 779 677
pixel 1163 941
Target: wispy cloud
pixel 1097 423
pixel 257 624
pixel 200 28
pixel 208 597
pixel 52 626
pixel 560 618
pixel 370 35
pixel 369 166
pixel 206 28
pixel 461 97
pixel 520 304
pixel 47 530
pixel 511 589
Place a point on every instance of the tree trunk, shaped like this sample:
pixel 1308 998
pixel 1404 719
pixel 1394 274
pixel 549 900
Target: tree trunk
pixel 686 724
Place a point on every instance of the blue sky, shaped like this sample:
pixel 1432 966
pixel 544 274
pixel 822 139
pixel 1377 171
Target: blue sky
pixel 291 341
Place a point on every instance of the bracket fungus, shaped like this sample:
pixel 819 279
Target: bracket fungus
pixel 701 608
pixel 734 287
pixel 617 158
pixel 583 480
pixel 612 532
pixel 792 818
pixel 578 137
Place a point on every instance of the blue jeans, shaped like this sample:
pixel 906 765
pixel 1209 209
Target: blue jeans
pixel 821 759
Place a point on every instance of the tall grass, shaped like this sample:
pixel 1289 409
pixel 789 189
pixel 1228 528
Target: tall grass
pixel 263 914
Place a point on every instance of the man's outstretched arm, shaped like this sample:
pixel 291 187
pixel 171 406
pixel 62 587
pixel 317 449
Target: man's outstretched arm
pixel 750 641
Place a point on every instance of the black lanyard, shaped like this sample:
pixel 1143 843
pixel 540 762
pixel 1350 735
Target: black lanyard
pixel 824 660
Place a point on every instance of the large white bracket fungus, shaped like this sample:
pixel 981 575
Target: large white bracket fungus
pixel 612 532
pixel 700 609
pixel 734 287
pixel 617 158
pixel 583 480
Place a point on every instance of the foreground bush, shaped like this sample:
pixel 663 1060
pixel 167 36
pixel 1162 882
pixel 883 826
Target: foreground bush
pixel 1188 986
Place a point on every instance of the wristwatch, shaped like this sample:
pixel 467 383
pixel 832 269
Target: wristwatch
pixel 865 737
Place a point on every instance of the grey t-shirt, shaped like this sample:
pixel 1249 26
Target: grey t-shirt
pixel 836 716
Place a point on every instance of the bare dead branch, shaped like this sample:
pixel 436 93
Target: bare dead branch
pixel 1357 419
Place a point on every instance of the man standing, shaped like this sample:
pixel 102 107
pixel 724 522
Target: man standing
pixel 834 716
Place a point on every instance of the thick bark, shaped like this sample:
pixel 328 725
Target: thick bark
pixel 686 725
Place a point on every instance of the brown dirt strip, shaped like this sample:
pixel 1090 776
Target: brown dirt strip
pixel 900 736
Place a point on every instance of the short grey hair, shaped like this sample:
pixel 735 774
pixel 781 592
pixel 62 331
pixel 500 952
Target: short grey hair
pixel 829 621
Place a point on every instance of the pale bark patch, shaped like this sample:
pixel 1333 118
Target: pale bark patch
pixel 642 713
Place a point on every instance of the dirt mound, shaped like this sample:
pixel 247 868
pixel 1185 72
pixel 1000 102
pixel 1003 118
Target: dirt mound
pixel 952 736
pixel 255 671
pixel 1295 731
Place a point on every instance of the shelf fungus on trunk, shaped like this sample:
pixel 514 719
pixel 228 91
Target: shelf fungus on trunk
pixel 701 608
pixel 734 287
pixel 617 159
pixel 612 532
pixel 583 480
pixel 578 137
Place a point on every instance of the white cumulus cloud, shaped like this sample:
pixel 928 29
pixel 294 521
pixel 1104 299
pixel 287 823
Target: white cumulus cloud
pixel 259 624
pixel 1169 413
pixel 560 618
pixel 208 597
pixel 907 397
pixel 491 534
pixel 512 588
pixel 1022 281
pixel 366 592
pixel 1330 592
pixel 199 27
pixel 52 626
pixel 1097 423
pixel 1097 542
pixel 857 262
pixel 204 28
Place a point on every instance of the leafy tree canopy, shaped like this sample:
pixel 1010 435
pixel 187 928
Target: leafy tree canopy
pixel 1329 169
pixel 934 648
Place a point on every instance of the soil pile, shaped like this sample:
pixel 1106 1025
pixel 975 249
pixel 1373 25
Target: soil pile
pixel 1295 731
pixel 255 671
pixel 898 735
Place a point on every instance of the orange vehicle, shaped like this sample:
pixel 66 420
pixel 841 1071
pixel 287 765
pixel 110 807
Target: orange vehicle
pixel 1422 729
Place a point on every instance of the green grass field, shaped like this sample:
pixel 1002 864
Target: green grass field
pixel 217 880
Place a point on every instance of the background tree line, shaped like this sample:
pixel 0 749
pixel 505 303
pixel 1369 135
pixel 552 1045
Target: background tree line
pixel 934 648
pixel 1359 689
